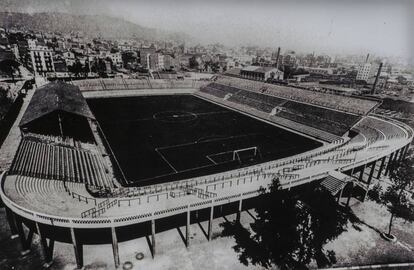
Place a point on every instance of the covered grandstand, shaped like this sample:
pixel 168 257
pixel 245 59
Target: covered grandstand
pixel 57 141
pixel 58 109
pixel 61 184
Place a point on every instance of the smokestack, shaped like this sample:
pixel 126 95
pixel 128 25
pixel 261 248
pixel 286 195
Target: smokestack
pixel 366 60
pixel 313 59
pixel 277 57
pixel 376 79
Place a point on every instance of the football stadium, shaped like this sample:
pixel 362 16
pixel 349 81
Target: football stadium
pixel 103 161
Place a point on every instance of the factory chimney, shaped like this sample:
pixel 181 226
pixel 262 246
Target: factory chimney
pixel 366 60
pixel 376 79
pixel 277 57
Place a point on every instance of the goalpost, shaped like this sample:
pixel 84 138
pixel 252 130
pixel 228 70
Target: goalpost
pixel 239 155
pixel 249 152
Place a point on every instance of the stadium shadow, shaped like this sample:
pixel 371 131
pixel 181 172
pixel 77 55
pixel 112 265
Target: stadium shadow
pixel 288 224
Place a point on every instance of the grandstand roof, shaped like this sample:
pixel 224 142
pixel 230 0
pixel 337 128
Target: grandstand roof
pixel 56 96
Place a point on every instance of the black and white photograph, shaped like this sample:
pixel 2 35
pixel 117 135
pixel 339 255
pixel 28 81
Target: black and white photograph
pixel 206 134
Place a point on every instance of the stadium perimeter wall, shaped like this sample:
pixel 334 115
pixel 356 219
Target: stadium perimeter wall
pixel 80 231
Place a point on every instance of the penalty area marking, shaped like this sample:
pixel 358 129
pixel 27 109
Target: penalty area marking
pixel 209 158
pixel 230 138
pixel 166 160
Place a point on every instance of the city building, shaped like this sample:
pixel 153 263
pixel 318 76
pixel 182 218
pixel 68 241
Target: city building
pixel 289 59
pixel 169 62
pixel 319 70
pixel 261 73
pixel 116 59
pixel 367 72
pixel 363 72
pixel 156 61
pixel 144 54
pixel 42 60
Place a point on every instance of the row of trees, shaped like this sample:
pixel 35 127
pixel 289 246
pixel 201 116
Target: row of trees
pixel 98 66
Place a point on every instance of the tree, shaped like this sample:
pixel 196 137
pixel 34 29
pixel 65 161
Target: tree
pixel 396 197
pixel 290 230
pixel 9 66
pixel 76 68
pixel 5 102
pixel 99 67
pixel 85 70
pixel 194 63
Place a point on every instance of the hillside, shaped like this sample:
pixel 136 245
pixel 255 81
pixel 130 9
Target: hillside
pixel 89 25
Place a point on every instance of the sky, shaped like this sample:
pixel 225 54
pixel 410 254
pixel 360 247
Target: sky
pixel 379 27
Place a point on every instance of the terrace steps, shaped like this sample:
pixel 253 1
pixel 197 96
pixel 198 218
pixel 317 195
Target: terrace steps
pixel 306 118
pixel 50 161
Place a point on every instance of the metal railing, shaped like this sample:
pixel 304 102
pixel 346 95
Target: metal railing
pixel 82 198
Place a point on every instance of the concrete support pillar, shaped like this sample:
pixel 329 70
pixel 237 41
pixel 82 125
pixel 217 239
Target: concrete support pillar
pixel 153 237
pixel 397 153
pixel 350 194
pixel 406 150
pixel 371 173
pixel 25 242
pixel 187 229
pixel 407 147
pixel 210 223
pixel 401 157
pixel 390 159
pixel 47 249
pixel 387 160
pixel 78 249
pixel 381 167
pixel 402 153
pixel 239 211
pixel 395 159
pixel 12 223
pixel 340 195
pixel 361 175
pixel 115 248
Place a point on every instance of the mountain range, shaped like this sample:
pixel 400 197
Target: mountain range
pixel 88 25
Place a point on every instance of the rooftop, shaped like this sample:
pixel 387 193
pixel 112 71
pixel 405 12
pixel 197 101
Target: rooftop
pixel 259 69
pixel 56 96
